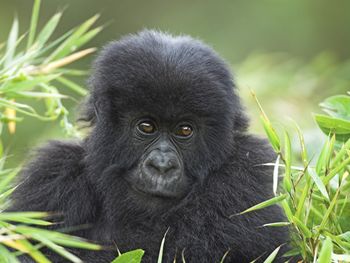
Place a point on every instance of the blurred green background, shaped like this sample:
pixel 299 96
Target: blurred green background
pixel 293 54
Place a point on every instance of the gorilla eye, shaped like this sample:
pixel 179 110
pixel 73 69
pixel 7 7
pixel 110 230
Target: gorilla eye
pixel 146 127
pixel 184 131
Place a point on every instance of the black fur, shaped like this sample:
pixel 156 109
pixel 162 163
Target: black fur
pixel 165 76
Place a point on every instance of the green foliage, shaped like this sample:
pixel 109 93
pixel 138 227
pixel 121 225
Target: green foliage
pixel 134 256
pixel 315 197
pixel 338 121
pixel 34 73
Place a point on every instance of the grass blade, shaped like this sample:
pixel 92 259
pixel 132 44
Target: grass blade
pixel 134 256
pixel 47 31
pixel 266 203
pixel 70 44
pixel 160 255
pixel 56 248
pixel 318 183
pixel 272 256
pixel 275 175
pixel 287 181
pixel 11 43
pixel 33 22
pixel 326 252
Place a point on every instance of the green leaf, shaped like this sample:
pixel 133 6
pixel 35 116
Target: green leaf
pixel 341 154
pixel 11 42
pixel 277 224
pixel 49 28
pixel 275 174
pixel 38 95
pixel 25 217
pixel 88 36
pixel 25 246
pixel 345 236
pixel 329 210
pixel 56 248
pixel 287 210
pixel 71 43
pixel 271 134
pixel 337 106
pixel 222 259
pixel 302 145
pixel 73 86
pixel 27 84
pixel 272 256
pixel 266 203
pixel 33 22
pixel 323 160
pixel 287 181
pixel 291 253
pixel 57 237
pixel 6 256
pixel 326 252
pixel 302 227
pixel 335 171
pixel 330 125
pixel 134 256
pixel 160 255
pixel 318 182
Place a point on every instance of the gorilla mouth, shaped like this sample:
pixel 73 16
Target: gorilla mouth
pixel 156 185
pixel 154 193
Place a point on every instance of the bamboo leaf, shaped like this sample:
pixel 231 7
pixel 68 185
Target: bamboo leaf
pixel 11 42
pixel 277 224
pixel 33 22
pixel 326 252
pixel 70 44
pixel 302 227
pixel 28 84
pixel 271 134
pixel 6 256
pixel 330 125
pixel 56 248
pixel 318 183
pixel 266 203
pixel 272 256
pixel 287 181
pixel 275 175
pixel 160 255
pixel 134 256
pixel 73 86
pixel 49 28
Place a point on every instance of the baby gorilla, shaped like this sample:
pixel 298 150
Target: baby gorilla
pixel 168 149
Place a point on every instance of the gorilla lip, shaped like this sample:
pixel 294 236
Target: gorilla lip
pixel 154 193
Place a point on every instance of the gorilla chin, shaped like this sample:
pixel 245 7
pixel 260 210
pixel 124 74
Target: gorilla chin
pixel 168 149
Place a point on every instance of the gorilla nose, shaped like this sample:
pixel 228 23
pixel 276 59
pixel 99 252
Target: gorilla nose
pixel 163 163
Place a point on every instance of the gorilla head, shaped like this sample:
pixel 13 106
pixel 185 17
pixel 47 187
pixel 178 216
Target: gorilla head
pixel 164 112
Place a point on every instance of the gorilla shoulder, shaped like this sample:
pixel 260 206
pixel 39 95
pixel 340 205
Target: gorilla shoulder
pixel 255 151
pixel 53 181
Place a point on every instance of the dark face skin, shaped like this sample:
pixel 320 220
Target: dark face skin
pixel 160 171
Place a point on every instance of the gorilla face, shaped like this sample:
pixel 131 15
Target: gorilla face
pixel 160 170
pixel 164 113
